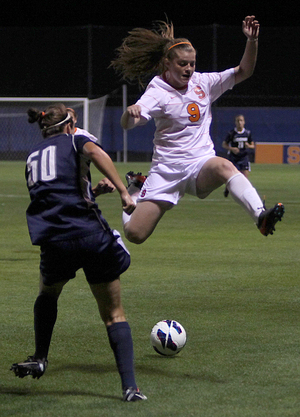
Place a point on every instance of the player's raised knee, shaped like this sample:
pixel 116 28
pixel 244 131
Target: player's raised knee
pixel 135 236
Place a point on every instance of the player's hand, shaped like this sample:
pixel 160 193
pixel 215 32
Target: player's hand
pixel 250 27
pixel 134 111
pixel 103 187
pixel 235 150
pixel 127 203
pixel 131 117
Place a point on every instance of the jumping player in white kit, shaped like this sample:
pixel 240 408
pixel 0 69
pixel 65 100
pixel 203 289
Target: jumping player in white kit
pixel 179 100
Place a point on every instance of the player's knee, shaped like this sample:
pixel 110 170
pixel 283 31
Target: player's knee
pixel 225 169
pixel 202 195
pixel 135 236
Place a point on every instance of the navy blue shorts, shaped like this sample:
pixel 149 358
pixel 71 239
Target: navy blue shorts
pixel 241 164
pixel 102 256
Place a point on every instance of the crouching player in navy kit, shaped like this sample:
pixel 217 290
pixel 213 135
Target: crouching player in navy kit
pixel 64 220
pixel 238 142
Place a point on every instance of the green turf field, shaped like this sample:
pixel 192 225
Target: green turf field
pixel 236 292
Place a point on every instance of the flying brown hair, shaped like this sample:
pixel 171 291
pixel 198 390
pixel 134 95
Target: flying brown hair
pixel 143 52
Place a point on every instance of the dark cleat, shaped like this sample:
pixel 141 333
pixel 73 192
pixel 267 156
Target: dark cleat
pixel 268 218
pixel 132 394
pixel 32 366
pixel 136 179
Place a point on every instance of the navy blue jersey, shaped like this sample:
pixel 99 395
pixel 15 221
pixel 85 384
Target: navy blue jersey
pixel 237 139
pixel 59 183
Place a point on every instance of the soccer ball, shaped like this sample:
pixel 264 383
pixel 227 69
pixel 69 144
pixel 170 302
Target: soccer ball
pixel 168 337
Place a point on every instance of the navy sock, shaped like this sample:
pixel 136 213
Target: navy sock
pixel 120 340
pixel 45 314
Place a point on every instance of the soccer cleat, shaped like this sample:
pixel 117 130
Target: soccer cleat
pixel 268 218
pixel 34 367
pixel 136 179
pixel 133 394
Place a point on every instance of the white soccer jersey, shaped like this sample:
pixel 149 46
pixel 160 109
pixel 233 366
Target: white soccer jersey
pixel 183 117
pixel 83 132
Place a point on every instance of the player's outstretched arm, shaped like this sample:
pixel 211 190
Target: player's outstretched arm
pixel 132 117
pixel 105 165
pixel 246 67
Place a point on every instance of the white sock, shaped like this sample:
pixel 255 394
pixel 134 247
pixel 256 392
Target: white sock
pixel 125 216
pixel 243 192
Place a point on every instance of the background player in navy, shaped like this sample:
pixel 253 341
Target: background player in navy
pixel 65 221
pixel 238 142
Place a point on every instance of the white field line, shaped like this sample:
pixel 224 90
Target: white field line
pixel 14 196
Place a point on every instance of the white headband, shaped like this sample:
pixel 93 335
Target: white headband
pixel 66 119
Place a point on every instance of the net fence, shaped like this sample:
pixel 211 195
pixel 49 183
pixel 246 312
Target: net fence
pixel 17 136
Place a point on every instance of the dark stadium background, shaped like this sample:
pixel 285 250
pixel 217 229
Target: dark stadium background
pixel 64 48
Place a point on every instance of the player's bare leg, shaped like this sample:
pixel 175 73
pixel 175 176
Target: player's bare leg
pixel 217 171
pixel 108 297
pixel 141 224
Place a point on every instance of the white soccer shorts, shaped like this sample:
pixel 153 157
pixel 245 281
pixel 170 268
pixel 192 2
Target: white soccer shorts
pixel 170 183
